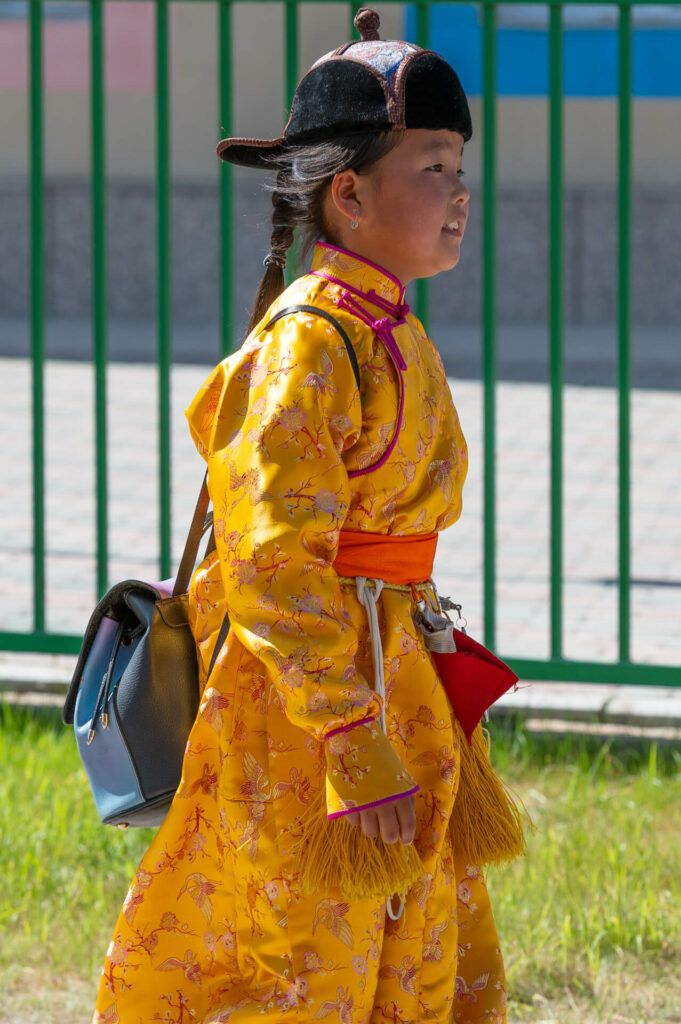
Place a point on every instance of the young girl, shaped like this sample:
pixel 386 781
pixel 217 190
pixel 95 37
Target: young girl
pixel 319 858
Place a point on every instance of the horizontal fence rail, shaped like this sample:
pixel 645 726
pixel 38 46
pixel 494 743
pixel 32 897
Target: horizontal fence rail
pixel 556 666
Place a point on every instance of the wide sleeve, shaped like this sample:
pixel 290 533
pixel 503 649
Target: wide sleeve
pixel 273 422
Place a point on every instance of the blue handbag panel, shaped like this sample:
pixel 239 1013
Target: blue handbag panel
pixel 106 759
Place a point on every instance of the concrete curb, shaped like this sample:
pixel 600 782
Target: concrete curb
pixel 650 706
pixel 24 676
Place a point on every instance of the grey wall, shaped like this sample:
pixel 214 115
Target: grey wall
pixel 590 253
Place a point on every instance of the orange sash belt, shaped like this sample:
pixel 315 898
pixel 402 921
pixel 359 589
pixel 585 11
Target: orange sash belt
pixel 392 559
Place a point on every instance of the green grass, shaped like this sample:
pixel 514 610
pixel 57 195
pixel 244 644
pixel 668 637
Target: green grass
pixel 64 873
pixel 589 920
pixel 595 905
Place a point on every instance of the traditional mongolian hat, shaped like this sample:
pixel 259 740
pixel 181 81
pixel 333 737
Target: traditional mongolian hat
pixel 371 85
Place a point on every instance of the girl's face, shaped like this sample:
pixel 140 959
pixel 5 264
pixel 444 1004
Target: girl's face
pixel 411 206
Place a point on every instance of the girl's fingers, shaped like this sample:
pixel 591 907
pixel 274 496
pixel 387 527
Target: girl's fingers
pixel 394 821
pixel 406 817
pixel 370 823
pixel 390 826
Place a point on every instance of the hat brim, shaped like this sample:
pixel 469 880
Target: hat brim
pixel 250 152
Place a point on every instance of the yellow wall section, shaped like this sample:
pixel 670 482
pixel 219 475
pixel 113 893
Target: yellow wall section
pixel 259 108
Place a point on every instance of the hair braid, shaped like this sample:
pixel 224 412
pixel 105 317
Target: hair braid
pixel 283 227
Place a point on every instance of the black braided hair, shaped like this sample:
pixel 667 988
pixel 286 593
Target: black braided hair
pixel 281 240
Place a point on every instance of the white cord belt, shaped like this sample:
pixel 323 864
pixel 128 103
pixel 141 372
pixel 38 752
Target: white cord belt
pixel 368 596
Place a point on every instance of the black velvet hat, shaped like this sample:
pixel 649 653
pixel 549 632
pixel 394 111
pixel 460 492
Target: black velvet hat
pixel 366 86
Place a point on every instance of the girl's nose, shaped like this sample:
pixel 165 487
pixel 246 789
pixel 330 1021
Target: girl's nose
pixel 462 192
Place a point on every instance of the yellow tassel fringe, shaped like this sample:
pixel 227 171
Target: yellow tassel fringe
pixel 335 855
pixel 486 825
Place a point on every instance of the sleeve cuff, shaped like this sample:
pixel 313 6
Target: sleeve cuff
pixel 362 769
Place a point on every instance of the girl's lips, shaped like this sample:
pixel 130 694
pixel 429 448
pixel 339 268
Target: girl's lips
pixel 455 232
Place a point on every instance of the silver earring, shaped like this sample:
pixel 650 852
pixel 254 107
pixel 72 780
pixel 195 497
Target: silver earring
pixel 354 224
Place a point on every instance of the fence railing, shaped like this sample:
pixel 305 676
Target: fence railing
pixel 39 639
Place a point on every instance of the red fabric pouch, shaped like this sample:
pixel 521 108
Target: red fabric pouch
pixel 473 679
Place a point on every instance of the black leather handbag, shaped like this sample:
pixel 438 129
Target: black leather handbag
pixel 135 691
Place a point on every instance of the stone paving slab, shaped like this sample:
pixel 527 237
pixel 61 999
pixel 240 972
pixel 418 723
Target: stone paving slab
pixel 590 595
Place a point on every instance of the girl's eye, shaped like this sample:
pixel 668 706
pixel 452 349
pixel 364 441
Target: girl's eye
pixel 461 174
pixel 436 167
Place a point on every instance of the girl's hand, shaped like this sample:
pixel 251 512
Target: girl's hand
pixel 396 820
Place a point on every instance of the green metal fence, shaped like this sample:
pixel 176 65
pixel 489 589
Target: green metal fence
pixel 556 666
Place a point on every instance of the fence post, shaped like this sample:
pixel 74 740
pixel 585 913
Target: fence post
pixel 624 324
pixel 99 294
pixel 489 326
pixel 37 276
pixel 163 212
pixel 556 320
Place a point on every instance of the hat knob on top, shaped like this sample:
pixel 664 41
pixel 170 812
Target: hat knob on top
pixel 367 23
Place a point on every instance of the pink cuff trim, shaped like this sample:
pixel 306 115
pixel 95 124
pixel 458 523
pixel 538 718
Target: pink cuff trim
pixel 374 803
pixel 347 728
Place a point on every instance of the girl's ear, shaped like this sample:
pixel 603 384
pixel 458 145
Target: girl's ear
pixel 345 195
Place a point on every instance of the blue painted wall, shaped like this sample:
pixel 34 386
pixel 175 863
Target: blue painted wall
pixel 589 62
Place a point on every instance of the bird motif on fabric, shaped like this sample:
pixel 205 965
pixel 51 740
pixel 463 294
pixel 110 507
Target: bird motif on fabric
pixel 110 1016
pixel 249 482
pixel 440 476
pixel 200 889
pixel 322 382
pixel 342 1006
pixel 257 785
pixel 298 784
pixel 432 947
pixel 206 784
pixel 212 706
pixel 406 973
pixel 192 969
pixel 445 759
pixel 375 451
pixel 330 914
pixel 469 992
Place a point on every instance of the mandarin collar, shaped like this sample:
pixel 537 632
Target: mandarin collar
pixel 357 271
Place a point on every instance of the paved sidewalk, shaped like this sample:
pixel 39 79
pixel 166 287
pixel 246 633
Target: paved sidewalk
pixel 523 417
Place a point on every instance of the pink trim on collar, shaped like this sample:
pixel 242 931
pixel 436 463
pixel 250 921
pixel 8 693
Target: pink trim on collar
pixel 369 263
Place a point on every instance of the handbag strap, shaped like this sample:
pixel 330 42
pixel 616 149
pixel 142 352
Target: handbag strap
pixel 194 536
pixel 317 311
pixel 199 521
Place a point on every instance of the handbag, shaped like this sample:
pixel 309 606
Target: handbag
pixel 135 691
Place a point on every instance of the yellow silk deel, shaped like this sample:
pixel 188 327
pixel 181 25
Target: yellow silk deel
pixel 217 925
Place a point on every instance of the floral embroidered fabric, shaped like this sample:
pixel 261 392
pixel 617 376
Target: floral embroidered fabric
pixel 217 926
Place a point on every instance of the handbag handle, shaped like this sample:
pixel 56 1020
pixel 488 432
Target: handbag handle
pixel 191 548
pixel 194 536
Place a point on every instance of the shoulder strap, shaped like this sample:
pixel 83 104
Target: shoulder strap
pixel 194 536
pixel 326 316
pixel 199 521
